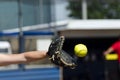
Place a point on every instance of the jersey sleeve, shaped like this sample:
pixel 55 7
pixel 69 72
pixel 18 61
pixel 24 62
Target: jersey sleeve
pixel 115 45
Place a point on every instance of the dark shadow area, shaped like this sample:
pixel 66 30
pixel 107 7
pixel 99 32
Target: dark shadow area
pixel 93 66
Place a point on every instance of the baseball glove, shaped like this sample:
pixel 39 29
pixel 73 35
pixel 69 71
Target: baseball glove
pixel 58 56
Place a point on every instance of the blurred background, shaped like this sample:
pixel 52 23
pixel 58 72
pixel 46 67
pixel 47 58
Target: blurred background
pixel 27 25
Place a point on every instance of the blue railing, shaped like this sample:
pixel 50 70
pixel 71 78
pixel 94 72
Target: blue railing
pixel 31 74
pixel 27 33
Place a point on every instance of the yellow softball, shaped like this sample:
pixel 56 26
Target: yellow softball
pixel 80 50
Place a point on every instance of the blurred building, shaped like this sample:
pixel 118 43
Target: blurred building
pixel 31 15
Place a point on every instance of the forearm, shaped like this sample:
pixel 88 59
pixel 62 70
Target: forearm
pixel 26 57
pixel 109 50
pixel 34 55
pixel 7 59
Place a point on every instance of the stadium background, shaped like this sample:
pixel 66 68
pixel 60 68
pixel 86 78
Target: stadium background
pixel 23 22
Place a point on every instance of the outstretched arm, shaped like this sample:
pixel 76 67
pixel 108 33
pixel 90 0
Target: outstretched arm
pixel 55 54
pixel 109 50
pixel 26 57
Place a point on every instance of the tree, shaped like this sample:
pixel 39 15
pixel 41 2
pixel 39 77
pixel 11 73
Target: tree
pixel 75 9
pixel 97 9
